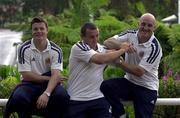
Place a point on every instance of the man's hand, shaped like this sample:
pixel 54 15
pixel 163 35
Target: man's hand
pixel 128 47
pixel 42 101
pixel 62 79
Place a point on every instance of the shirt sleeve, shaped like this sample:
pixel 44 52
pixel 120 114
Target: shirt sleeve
pixel 82 54
pixel 24 61
pixel 121 37
pixel 57 60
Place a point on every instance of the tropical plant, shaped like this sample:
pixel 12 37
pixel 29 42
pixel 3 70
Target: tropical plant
pixel 172 60
pixel 169 87
pixel 6 71
pixel 162 33
pixel 85 10
pixel 113 72
pixel 7 85
pixel 109 26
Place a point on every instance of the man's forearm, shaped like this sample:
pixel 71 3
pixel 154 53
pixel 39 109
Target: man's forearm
pixel 133 69
pixel 34 77
pixel 54 81
pixel 111 43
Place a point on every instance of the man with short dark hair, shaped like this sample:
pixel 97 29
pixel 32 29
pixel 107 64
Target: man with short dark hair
pixel 86 64
pixel 40 63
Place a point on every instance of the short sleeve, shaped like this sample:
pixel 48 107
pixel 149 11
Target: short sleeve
pixel 82 54
pixel 56 59
pixel 24 61
pixel 125 36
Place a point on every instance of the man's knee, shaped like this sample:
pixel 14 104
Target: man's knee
pixel 61 92
pixel 104 86
pixel 18 97
pixel 60 96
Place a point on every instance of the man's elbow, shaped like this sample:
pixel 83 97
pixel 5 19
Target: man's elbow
pixel 105 42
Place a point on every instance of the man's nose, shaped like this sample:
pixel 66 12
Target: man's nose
pixel 39 30
pixel 146 26
pixel 95 37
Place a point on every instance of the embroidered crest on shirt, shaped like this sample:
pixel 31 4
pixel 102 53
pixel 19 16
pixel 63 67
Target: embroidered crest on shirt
pixel 33 59
pixel 141 54
pixel 48 61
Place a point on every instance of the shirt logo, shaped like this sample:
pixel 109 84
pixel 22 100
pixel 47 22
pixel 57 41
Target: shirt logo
pixel 141 54
pixel 33 59
pixel 48 61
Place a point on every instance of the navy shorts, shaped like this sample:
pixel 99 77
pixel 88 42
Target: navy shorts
pixel 120 88
pixel 98 108
pixel 24 97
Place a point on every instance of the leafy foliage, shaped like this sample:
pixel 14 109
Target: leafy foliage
pixel 174 36
pixel 172 60
pixel 169 87
pixel 60 34
pixel 6 71
pixel 111 72
pixel 7 85
pixel 109 26
pixel 162 33
pixel 140 7
pixel 66 48
pixel 10 78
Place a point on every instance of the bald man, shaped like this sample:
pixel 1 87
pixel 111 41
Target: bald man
pixel 140 84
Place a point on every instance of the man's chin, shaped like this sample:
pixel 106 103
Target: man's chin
pixel 39 38
pixel 145 34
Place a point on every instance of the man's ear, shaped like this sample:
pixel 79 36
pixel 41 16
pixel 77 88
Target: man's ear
pixel 155 25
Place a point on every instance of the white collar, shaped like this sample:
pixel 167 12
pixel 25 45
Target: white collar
pixel 34 48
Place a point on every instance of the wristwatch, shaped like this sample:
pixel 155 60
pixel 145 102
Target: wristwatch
pixel 47 93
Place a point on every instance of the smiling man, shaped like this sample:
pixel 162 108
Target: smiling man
pixel 40 63
pixel 140 84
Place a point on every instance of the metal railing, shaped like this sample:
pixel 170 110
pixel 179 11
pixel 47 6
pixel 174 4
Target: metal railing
pixel 3 102
pixel 160 101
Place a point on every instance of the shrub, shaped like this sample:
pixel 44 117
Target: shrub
pixel 110 26
pixel 6 71
pixel 169 87
pixel 111 72
pixel 7 85
pixel 10 78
